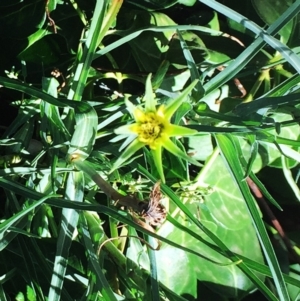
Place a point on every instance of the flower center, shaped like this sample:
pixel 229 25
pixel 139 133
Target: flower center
pixel 150 129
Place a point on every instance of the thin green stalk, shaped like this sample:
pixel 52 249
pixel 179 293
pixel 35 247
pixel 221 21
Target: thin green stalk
pixel 101 22
pixel 90 45
pixel 79 11
pixel 96 230
pixel 153 270
pixel 113 230
pixel 200 177
pixel 289 177
pixel 264 74
pixel 128 200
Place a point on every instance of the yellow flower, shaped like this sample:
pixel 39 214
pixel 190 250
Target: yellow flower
pixel 152 127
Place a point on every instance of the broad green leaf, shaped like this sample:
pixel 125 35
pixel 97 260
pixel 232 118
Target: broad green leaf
pixel 211 231
pixel 271 10
pixel 200 146
pixel 148 49
pixel 225 203
pixel 225 278
pixel 21 19
pixel 20 297
pixel 187 2
pixel 53 3
pixel 30 294
pixel 45 48
pixel 38 35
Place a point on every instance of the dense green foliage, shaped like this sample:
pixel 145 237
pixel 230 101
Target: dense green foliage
pixel 83 216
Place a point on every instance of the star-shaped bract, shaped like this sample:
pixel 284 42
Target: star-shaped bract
pixel 152 127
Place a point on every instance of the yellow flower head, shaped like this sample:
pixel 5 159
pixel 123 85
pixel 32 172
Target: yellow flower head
pixel 149 127
pixel 152 127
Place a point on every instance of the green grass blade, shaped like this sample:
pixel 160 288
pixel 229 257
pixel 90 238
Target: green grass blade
pixel 128 36
pixel 15 218
pixel 90 45
pixel 20 223
pixel 31 274
pixel 121 216
pixel 118 215
pixel 98 277
pixel 243 59
pixel 153 270
pixel 231 154
pixel 198 91
pixel 24 116
pixel 289 177
pixel 25 88
pixel 284 87
pixel 80 107
pixel 83 138
pixel 74 191
pixel 101 21
pixel 221 247
pixel 245 109
pixel 2 293
pixel 86 117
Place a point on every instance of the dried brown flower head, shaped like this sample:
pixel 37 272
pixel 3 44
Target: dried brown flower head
pixel 154 212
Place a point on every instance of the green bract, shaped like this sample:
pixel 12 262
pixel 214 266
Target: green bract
pixel 152 127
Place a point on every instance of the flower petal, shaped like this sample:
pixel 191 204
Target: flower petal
pixel 118 138
pixel 125 129
pixel 177 130
pixel 128 140
pixel 130 106
pixel 149 98
pixel 129 151
pixel 174 104
pixel 156 153
pixel 176 151
pixel 139 115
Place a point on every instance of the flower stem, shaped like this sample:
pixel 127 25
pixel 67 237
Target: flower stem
pixel 125 200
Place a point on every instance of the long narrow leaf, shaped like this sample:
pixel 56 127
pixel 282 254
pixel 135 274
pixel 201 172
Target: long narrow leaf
pixel 101 282
pixel 121 216
pixel 263 37
pixel 223 249
pixel 231 155
pixel 74 191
